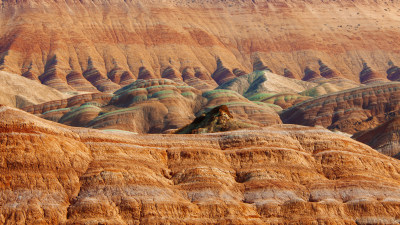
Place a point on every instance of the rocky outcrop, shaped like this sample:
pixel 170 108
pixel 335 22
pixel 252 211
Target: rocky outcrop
pixel 385 138
pixel 219 119
pixel 367 75
pixel 54 174
pixel 350 110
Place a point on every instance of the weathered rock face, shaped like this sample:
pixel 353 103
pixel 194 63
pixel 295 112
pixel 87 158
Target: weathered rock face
pixel 350 110
pixel 385 138
pixel 55 174
pixel 157 34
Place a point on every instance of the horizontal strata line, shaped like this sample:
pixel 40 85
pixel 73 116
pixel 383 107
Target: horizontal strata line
pixel 363 155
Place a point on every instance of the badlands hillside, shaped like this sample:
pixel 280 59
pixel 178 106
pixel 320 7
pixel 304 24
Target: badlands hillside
pixel 110 42
pixel 199 112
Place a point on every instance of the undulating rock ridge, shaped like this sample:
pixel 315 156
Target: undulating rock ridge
pixel 143 38
pixel 20 92
pixel 329 86
pixel 153 106
pixel 283 100
pixel 55 174
pixel 100 98
pixel 385 138
pixel 350 110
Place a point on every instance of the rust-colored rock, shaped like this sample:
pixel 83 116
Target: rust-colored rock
pixel 54 174
pixel 385 138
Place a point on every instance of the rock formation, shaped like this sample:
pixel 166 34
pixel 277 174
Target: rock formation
pixel 385 138
pixel 217 120
pixel 55 174
pixel 350 110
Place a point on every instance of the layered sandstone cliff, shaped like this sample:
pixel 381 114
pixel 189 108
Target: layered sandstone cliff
pixel 54 174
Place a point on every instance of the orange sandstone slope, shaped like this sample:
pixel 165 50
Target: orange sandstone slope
pixel 52 174
pixel 60 43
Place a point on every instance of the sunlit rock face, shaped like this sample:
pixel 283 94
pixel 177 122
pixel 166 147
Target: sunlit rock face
pixel 112 43
pixel 55 174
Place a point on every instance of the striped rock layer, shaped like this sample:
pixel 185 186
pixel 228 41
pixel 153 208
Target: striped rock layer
pixel 55 174
pixel 152 106
pixel 350 110
pixel 111 43
pixel 385 138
